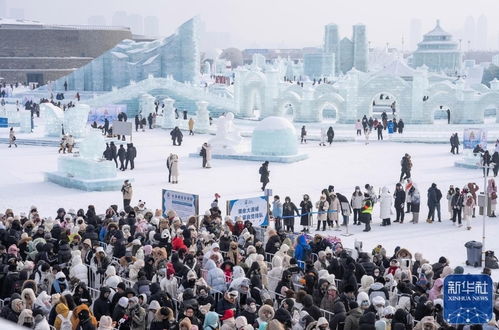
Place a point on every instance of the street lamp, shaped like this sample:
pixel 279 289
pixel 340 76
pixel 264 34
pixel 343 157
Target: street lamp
pixel 484 203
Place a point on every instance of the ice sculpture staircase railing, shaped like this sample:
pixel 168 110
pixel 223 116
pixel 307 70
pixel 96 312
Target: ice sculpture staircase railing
pixel 182 90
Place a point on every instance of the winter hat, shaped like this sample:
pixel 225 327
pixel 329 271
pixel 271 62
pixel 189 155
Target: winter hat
pixel 438 301
pixel 99 249
pixel 241 322
pixel 154 305
pixel 13 249
pixel 87 241
pixel 322 321
pixel 378 300
pixel 389 310
pixel 442 260
pixel 60 275
pixel 459 270
pixel 123 302
pixel 105 323
pixel 229 313
pixel 363 299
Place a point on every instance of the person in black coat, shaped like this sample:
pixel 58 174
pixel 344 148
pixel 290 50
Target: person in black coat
pixel 330 135
pixel 400 126
pixel 106 126
pixel 264 174
pixel 310 308
pixel 306 207
pixel 131 153
pixel 149 120
pixel 102 306
pixel 137 123
pixel 273 244
pixel 107 152
pixel 113 153
pixel 380 131
pixel 399 196
pixel 122 157
pixel 288 210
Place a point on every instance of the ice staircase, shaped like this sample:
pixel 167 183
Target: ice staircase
pixel 185 95
pixel 32 142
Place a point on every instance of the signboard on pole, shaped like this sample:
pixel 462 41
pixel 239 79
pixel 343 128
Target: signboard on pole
pixel 185 205
pixel 122 128
pixel 468 299
pixel 474 136
pixel 110 112
pixel 253 209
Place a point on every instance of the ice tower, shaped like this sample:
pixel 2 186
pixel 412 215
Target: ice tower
pixel 176 56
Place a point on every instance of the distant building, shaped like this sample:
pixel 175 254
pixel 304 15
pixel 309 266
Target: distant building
pixel 319 65
pixel 348 53
pixel 35 52
pixel 438 52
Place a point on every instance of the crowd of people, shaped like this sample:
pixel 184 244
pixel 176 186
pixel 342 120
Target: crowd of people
pixel 135 268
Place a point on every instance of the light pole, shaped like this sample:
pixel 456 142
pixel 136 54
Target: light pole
pixel 485 169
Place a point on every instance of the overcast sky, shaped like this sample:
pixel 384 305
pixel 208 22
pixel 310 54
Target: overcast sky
pixel 280 23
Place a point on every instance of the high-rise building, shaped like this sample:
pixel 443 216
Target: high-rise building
pixel 438 52
pixel 415 33
pixel 349 53
pixel 332 43
pixel 3 8
pixel 481 33
pixel 151 26
pixel 360 51
pixel 469 33
pixel 120 18
pixel 136 23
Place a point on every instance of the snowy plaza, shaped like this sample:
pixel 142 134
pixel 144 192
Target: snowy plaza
pixel 208 170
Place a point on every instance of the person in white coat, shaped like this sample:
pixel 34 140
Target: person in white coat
pixel 215 277
pixel 334 210
pixel 174 168
pixel 275 274
pixel 386 203
pixel 208 155
pixel 323 137
pixel 469 205
pixel 78 270
pixel 322 207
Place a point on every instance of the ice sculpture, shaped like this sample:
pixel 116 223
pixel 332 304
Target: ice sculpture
pixel 176 55
pixel 228 138
pixel 75 120
pixel 169 120
pixel 25 122
pixel 274 136
pixel 146 104
pixel 87 171
pixel 203 117
pixel 72 121
pixel 54 119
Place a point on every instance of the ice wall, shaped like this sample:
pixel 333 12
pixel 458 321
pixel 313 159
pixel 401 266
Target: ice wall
pixel 176 55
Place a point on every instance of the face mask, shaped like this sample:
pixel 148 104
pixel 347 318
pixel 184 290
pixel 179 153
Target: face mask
pixel 252 308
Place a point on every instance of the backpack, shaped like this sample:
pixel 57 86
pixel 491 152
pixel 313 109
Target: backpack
pixel 422 281
pixel 439 195
pixel 66 321
pixel 469 201
pixel 491 260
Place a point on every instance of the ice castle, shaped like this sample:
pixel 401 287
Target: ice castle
pixel 176 56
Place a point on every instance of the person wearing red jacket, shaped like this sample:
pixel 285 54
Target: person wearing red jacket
pixel 178 242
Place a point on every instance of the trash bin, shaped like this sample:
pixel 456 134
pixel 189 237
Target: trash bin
pixel 390 128
pixel 473 253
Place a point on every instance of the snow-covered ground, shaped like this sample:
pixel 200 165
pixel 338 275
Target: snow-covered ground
pixel 343 165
